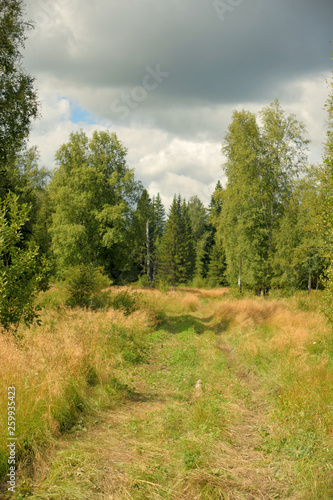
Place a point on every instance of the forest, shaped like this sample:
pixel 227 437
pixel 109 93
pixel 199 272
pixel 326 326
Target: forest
pixel 152 352
pixel 267 226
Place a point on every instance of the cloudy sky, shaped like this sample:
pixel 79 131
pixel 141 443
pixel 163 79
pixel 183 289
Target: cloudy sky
pixel 166 75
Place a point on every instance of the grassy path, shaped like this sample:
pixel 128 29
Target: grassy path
pixel 169 440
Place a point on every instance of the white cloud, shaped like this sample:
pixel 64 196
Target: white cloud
pixel 307 100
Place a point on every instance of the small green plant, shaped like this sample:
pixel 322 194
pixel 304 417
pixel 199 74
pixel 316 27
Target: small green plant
pixel 84 284
pixel 126 301
pixel 164 286
pixel 143 281
pixel 191 459
pixel 199 282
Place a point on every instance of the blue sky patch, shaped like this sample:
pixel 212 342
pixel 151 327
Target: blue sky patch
pixel 80 115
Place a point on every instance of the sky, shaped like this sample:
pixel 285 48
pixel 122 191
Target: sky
pixel 166 76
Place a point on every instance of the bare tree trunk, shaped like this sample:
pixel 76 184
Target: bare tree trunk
pixel 148 256
pixel 309 283
pixel 240 275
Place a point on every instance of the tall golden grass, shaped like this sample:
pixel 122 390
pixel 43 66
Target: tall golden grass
pixel 291 350
pixel 56 369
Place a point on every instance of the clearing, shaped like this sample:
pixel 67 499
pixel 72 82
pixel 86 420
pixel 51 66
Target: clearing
pixel 245 432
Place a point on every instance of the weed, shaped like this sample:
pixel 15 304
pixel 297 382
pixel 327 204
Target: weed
pixel 125 301
pixel 83 284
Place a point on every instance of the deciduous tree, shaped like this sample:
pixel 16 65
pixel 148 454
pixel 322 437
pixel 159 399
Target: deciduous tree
pixel 94 195
pixel 18 99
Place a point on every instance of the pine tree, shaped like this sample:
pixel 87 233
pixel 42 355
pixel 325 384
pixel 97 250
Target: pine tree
pixel 215 206
pixel 215 264
pixel 176 251
pixel 142 236
pixel 157 230
pixel 158 216
pixel 198 217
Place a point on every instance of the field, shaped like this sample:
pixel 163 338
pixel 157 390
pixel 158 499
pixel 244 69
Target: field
pixel 193 394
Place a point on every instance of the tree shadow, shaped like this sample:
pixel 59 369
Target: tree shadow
pixel 179 324
pixel 219 328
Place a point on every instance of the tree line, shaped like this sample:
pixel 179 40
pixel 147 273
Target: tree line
pixel 269 225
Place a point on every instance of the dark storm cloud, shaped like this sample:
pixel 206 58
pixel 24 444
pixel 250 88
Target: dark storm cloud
pixel 249 55
pixel 210 57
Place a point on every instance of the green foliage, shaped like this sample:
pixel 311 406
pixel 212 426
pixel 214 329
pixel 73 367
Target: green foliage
pixel 262 165
pixel 18 101
pixel 84 284
pixel 143 281
pixel 217 266
pixel 199 282
pixel 147 229
pixel 208 263
pixel 93 193
pixel 198 217
pixel 32 190
pixel 71 404
pixel 215 206
pixel 131 346
pixel 127 302
pixel 177 256
pixel 325 225
pixel 21 275
pixel 299 258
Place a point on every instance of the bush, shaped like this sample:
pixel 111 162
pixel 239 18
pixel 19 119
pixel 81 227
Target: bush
pixel 84 284
pixel 164 286
pixel 125 301
pixel 199 282
pixel 143 281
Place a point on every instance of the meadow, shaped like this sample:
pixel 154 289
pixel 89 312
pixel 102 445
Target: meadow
pixel 187 394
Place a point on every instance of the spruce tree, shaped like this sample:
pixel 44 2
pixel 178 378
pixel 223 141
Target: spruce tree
pixel 215 264
pixel 176 251
pixel 158 214
pixel 157 229
pixel 141 236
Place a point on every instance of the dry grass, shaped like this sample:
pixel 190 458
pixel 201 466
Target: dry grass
pixel 290 351
pixel 190 303
pixel 173 301
pixel 289 328
pixel 215 293
pixel 261 428
pixel 55 369
pixel 246 313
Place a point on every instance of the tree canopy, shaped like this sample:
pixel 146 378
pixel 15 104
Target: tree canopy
pixel 18 98
pixel 94 194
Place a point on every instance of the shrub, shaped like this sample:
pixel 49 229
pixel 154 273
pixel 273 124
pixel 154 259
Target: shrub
pixel 84 284
pixel 126 301
pixel 199 282
pixel 143 281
